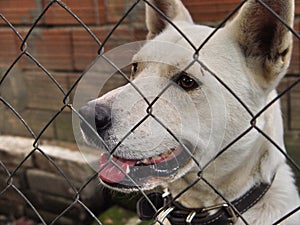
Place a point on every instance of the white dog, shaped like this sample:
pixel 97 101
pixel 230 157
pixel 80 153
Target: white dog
pixel 179 123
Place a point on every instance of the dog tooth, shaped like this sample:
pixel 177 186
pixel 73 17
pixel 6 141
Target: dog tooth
pixel 166 154
pixel 145 161
pixel 156 158
pixel 127 170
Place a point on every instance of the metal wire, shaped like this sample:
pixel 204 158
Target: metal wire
pixel 25 52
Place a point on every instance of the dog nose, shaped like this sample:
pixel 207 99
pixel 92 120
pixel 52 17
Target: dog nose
pixel 96 115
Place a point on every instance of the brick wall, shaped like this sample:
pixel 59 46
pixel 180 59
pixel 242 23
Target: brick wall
pixel 65 49
pixel 43 184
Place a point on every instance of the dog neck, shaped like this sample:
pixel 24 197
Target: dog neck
pixel 231 185
pixel 235 178
pixel 202 195
pixel 227 212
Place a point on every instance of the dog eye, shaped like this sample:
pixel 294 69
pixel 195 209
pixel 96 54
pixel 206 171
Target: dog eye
pixel 134 67
pixel 186 82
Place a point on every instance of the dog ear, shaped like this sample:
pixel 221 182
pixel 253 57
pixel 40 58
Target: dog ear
pixel 173 9
pixel 265 41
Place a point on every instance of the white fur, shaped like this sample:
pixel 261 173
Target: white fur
pixel 211 118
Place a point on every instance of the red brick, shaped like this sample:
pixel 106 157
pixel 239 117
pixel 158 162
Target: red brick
pixel 215 10
pixel 210 10
pixel 20 12
pixel 85 10
pixel 51 47
pixel 9 46
pixel 85 47
pixel 114 10
pixel 295 65
pixel 101 11
pixel 122 35
pixel 295 61
pixel 297 7
pixel 295 105
pixel 140 32
pixel 284 101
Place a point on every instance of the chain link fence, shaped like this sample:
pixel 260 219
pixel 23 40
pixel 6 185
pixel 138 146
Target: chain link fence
pixel 12 166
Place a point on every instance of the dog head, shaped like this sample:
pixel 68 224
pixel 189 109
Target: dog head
pixel 183 105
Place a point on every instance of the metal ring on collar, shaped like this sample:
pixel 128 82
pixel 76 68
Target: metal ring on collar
pixel 164 214
pixel 190 217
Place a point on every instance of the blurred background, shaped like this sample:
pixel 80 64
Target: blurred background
pixel 62 47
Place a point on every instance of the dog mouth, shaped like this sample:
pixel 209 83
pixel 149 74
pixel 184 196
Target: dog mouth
pixel 129 173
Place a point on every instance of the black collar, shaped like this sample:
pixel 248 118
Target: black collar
pixel 177 214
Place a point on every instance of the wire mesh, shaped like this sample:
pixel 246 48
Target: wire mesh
pixel 66 104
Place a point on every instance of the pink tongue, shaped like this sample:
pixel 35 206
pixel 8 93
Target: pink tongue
pixel 111 173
